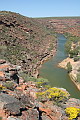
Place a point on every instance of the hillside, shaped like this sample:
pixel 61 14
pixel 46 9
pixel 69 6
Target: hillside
pixel 24 45
pixel 24 41
pixel 69 25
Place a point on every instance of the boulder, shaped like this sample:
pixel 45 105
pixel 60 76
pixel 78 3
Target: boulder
pixel 32 114
pixel 26 101
pixel 9 104
pixel 3 115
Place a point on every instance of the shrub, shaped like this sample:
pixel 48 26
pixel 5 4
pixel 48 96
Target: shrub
pixel 69 67
pixel 68 46
pixel 9 85
pixel 45 85
pixel 26 77
pixel 73 52
pixel 76 58
pixel 0 118
pixel 39 84
pixel 42 82
pixel 2 87
pixel 72 112
pixel 56 94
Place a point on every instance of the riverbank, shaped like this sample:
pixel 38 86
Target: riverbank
pixel 58 77
pixel 74 72
pixel 39 64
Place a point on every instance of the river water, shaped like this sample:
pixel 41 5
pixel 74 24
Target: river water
pixel 59 77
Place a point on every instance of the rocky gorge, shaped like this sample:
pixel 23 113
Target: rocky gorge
pixel 19 100
pixel 25 43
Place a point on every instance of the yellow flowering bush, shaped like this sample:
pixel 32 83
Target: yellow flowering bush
pixel 2 87
pixel 42 84
pixel 72 112
pixel 53 94
pixel 39 84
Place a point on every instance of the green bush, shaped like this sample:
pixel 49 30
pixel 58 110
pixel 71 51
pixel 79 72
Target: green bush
pixel 69 67
pixel 76 58
pixel 73 53
pixel 0 118
pixel 68 46
pixel 9 85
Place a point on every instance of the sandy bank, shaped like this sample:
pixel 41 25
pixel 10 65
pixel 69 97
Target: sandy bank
pixel 74 72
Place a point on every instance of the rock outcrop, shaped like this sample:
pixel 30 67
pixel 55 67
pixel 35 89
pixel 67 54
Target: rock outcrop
pixel 74 71
pixel 9 104
pixel 24 41
pixel 9 71
pixel 62 25
pixel 21 102
pixel 27 43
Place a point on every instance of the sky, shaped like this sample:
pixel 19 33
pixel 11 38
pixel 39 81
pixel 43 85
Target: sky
pixel 42 8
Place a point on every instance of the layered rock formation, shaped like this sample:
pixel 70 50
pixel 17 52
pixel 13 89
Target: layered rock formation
pixel 19 101
pixel 24 41
pixel 62 25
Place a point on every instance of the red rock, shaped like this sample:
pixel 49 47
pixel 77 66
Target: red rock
pixel 47 111
pixel 4 66
pixel 3 115
pixel 19 88
pixel 23 87
pixel 2 74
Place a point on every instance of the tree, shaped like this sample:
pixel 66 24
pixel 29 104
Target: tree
pixel 69 67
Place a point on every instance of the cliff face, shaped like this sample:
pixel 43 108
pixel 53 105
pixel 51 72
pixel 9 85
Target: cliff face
pixel 33 98
pixel 63 24
pixel 24 41
pixel 27 41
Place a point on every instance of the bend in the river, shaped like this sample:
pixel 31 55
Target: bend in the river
pixel 59 77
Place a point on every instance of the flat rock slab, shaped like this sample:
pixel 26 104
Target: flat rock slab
pixel 9 103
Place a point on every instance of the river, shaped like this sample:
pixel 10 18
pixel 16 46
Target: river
pixel 59 77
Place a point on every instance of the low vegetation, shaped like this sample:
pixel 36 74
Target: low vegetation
pixel 9 85
pixel 55 94
pixel 2 88
pixel 69 67
pixel 23 39
pixel 72 112
pixel 72 47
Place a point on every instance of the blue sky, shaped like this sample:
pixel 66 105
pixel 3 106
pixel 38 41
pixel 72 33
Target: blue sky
pixel 42 8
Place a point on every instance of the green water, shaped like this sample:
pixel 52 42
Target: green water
pixel 59 77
